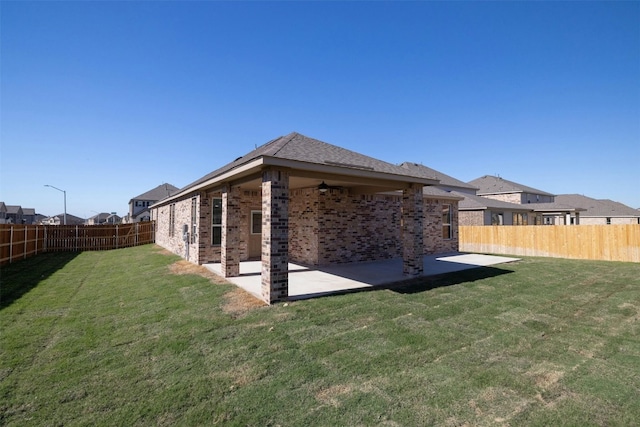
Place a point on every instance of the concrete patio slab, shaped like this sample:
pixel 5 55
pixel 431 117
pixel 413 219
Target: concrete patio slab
pixel 310 282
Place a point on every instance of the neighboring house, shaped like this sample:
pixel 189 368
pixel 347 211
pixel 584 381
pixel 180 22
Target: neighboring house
pixel 601 211
pixel 139 205
pixel 113 219
pixel 14 214
pixel 478 210
pixel 302 200
pixel 497 188
pixel 59 220
pixel 28 216
pixel 3 213
pixel 39 218
pixel 543 206
pixel 98 219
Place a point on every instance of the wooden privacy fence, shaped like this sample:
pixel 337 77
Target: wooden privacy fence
pixel 596 242
pixel 22 241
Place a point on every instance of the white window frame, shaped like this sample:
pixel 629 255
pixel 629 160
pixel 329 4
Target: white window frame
pixel 446 207
pixel 253 212
pixel 213 224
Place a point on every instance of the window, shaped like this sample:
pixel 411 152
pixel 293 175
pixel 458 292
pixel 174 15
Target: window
pixel 497 218
pixel 519 218
pixel 172 219
pixel 194 219
pixel 216 221
pixel 256 222
pixel 608 221
pixel 446 222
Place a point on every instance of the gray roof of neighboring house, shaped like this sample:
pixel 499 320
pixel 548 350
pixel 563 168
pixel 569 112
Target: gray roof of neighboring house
pixel 598 207
pixel 28 211
pixel 71 219
pixel 295 146
pixel 427 172
pixel 158 193
pixel 14 209
pixel 431 191
pixel 3 207
pixel 472 202
pixel 554 207
pixel 490 184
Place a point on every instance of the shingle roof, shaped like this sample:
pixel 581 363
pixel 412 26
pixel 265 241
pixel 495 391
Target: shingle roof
pixel 431 191
pixel 598 207
pixel 298 147
pixel 554 207
pixel 427 172
pixel 158 193
pixel 14 209
pixel 490 184
pixel 28 211
pixel 472 202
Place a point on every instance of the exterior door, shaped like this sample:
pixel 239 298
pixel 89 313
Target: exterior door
pixel 255 235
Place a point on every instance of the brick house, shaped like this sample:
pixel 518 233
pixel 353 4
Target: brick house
pixel 302 200
pixel 518 204
pixel 601 211
pixel 139 205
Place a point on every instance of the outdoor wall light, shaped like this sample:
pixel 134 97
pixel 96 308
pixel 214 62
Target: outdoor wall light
pixel 323 188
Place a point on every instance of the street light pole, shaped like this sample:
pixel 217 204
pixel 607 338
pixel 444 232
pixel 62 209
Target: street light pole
pixel 65 201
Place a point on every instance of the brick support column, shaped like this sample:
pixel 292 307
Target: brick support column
pixel 230 245
pixel 275 235
pixel 411 226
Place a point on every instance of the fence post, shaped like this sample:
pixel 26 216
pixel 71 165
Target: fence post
pixel 25 243
pixel 76 237
pixel 36 240
pixel 116 236
pixel 11 245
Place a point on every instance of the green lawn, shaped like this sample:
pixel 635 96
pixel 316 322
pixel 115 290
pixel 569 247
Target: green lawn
pixel 116 338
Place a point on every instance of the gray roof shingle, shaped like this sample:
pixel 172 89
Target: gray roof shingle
pixel 427 172
pixel 490 184
pixel 158 193
pixel 472 202
pixel 597 207
pixel 298 147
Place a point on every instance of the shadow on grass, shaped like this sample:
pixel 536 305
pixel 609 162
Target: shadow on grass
pixel 422 284
pixel 18 278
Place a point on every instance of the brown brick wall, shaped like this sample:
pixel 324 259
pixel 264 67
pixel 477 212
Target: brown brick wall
pixel 357 228
pixel 335 227
pixel 471 218
pixel 434 241
pixel 511 197
pixel 175 243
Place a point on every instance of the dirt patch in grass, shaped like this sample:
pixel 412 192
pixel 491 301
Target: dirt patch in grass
pixel 331 395
pixel 160 250
pixel 185 267
pixel 239 302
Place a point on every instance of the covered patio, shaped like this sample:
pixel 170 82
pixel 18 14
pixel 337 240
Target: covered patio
pixel 311 282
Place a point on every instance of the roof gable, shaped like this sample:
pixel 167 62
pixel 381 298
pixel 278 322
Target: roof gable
pixel 301 148
pixel 158 193
pixel 490 184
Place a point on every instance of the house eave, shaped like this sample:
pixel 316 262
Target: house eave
pixel 260 163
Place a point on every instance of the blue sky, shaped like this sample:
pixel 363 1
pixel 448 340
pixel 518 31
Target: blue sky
pixel 107 100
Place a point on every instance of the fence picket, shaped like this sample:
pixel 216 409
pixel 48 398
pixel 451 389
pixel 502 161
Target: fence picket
pixel 595 242
pixel 14 245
